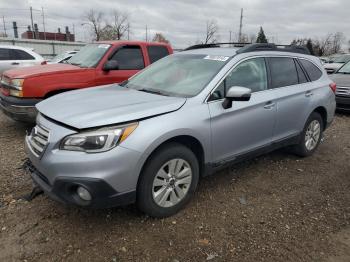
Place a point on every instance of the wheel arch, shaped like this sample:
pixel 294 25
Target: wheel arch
pixel 188 141
pixel 323 113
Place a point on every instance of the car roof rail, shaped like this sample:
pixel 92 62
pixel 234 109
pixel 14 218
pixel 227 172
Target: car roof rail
pixel 273 47
pixel 199 46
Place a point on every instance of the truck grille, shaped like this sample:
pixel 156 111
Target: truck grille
pixel 342 91
pixel 38 139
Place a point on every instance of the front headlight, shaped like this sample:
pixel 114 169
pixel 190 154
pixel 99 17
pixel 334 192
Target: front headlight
pixel 17 83
pixel 100 140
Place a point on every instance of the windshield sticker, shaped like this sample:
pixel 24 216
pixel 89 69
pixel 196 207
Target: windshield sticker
pixel 217 58
pixel 103 46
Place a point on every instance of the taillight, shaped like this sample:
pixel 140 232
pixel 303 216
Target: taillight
pixel 333 86
pixel 43 62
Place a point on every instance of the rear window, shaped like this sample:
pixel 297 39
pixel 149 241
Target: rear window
pixel 283 72
pixel 157 52
pixel 17 54
pixel 313 71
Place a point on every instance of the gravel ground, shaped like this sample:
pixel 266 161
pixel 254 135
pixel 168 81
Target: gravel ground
pixel 277 207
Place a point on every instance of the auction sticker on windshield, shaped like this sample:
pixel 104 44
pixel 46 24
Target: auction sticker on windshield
pixel 217 58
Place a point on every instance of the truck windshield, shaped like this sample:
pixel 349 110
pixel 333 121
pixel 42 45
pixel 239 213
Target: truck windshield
pixel 89 55
pixel 178 75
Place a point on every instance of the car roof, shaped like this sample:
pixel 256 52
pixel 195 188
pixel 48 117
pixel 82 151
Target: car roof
pixel 222 51
pixel 16 47
pixel 126 42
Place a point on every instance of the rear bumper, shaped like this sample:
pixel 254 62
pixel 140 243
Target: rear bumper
pixel 20 109
pixel 343 103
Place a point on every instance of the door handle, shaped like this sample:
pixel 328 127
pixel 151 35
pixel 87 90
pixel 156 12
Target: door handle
pixel 308 94
pixel 14 63
pixel 269 105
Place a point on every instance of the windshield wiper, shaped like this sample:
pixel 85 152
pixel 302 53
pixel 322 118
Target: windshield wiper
pixel 152 91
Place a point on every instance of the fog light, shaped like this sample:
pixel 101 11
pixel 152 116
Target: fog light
pixel 84 194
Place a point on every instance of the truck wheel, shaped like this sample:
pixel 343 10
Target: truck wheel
pixel 311 136
pixel 168 181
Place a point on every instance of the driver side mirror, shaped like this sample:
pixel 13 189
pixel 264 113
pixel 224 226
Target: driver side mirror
pixel 236 93
pixel 110 65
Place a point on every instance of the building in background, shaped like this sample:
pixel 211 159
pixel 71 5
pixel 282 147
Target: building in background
pixel 38 35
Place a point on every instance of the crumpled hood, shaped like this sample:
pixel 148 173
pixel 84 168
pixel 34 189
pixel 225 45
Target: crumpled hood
pixel 340 79
pixel 25 72
pixel 106 105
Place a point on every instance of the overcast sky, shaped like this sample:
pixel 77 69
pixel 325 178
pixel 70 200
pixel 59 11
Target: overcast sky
pixel 183 22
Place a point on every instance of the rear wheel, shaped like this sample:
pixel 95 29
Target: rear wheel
pixel 311 136
pixel 168 181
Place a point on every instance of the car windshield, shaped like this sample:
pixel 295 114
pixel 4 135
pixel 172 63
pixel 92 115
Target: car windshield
pixel 89 55
pixel 345 69
pixel 59 57
pixel 178 75
pixel 342 59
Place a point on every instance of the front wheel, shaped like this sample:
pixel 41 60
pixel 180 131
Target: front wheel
pixel 168 181
pixel 311 136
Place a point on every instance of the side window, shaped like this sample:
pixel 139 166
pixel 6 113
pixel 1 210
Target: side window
pixel 301 75
pixel 313 71
pixel 250 73
pixel 283 72
pixel 156 52
pixel 17 54
pixel 4 54
pixel 129 58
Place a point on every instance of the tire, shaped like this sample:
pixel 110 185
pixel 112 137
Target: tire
pixel 304 149
pixel 159 190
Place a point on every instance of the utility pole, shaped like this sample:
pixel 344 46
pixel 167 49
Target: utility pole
pixel 31 19
pixel 42 13
pixel 128 31
pixel 3 20
pixel 146 34
pixel 230 37
pixel 240 27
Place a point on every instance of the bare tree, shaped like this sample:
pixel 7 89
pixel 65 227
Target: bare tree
pixel 211 32
pixel 337 41
pixel 120 24
pixel 94 19
pixel 159 37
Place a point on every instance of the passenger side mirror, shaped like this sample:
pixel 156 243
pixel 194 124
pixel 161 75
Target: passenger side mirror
pixel 110 65
pixel 236 93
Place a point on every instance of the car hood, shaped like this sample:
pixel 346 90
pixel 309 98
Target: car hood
pixel 333 65
pixel 341 79
pixel 106 105
pixel 25 72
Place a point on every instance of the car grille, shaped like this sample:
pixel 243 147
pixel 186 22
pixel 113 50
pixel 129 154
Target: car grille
pixel 38 139
pixel 342 91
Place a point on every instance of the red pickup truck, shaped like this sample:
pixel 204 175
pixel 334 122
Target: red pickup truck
pixel 95 64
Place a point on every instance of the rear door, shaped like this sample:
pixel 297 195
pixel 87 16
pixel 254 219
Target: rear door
pixel 247 125
pixel 130 60
pixel 5 60
pixel 21 58
pixel 292 91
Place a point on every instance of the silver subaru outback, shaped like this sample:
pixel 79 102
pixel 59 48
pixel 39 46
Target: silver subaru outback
pixel 149 140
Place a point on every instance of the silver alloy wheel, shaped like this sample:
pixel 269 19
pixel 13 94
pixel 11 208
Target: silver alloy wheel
pixel 312 135
pixel 172 182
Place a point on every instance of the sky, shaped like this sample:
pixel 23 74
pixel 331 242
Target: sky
pixel 183 22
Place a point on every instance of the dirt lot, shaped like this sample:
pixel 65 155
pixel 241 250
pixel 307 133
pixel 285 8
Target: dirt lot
pixel 274 208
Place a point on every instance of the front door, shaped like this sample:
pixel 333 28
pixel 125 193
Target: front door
pixel 130 60
pixel 247 125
